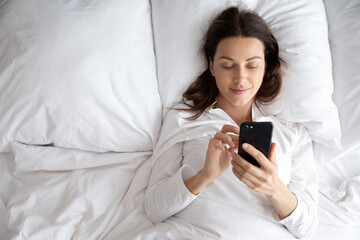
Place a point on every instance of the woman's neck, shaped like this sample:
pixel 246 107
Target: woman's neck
pixel 238 113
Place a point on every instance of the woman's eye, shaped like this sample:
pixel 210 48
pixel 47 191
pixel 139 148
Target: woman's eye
pixel 227 67
pixel 252 67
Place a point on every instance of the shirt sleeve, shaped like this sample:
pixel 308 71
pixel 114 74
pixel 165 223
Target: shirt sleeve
pixel 303 221
pixel 167 194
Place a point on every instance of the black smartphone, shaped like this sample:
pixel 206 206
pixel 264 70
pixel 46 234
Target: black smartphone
pixel 258 134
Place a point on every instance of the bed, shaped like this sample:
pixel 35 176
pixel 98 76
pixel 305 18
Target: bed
pixel 85 86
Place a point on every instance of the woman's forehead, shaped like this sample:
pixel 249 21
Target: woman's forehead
pixel 240 48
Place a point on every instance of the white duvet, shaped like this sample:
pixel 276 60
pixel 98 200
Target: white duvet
pixel 72 194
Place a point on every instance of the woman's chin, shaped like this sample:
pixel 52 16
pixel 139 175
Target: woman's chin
pixel 242 103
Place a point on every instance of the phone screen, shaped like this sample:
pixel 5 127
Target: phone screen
pixel 258 134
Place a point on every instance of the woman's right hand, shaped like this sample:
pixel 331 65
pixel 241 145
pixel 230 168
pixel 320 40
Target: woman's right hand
pixel 218 157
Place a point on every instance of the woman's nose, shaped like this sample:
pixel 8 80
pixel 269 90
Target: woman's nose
pixel 239 74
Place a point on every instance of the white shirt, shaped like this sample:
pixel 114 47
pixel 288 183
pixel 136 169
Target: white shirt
pixel 226 208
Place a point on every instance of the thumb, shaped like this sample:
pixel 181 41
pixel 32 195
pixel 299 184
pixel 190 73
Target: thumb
pixel 225 159
pixel 226 156
pixel 272 157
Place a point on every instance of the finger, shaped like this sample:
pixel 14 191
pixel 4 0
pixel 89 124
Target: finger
pixel 230 129
pixel 249 184
pixel 217 144
pixel 226 138
pixel 259 156
pixel 272 157
pixel 235 139
pixel 226 157
pixel 248 167
pixel 251 169
pixel 233 149
pixel 246 181
pixel 244 173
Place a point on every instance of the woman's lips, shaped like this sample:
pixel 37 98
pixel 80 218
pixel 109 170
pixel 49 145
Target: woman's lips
pixel 239 91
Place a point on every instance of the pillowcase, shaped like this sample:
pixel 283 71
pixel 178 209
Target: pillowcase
pixel 344 24
pixel 301 30
pixel 78 74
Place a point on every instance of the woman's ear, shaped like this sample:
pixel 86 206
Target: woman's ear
pixel 265 70
pixel 211 66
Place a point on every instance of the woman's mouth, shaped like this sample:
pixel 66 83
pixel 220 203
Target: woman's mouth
pixel 239 91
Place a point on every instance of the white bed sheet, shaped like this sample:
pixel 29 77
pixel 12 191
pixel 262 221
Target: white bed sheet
pixel 6 175
pixel 49 200
pixel 102 197
pixel 6 187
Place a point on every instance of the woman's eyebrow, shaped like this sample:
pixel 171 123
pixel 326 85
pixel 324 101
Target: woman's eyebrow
pixel 249 59
pixel 252 58
pixel 227 58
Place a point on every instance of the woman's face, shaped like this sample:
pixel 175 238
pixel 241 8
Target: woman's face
pixel 239 68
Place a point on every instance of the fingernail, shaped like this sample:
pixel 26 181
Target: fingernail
pixel 245 145
pixel 232 144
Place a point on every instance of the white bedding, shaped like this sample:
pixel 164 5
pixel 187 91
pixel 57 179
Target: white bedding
pixel 78 74
pixel 51 192
pixel 102 197
pixel 85 201
pixel 300 28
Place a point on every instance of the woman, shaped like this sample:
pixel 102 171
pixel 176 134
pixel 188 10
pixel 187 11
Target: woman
pixel 192 179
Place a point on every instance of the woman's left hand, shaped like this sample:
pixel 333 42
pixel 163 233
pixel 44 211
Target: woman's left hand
pixel 264 179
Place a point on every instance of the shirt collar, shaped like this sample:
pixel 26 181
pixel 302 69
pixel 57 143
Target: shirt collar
pixel 258 115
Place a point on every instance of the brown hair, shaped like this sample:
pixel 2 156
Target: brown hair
pixel 234 23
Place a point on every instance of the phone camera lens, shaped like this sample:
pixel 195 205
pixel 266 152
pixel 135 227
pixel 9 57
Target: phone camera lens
pixel 246 127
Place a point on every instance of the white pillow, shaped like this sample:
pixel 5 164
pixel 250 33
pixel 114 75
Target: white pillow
pixel 344 34
pixel 78 74
pixel 301 30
